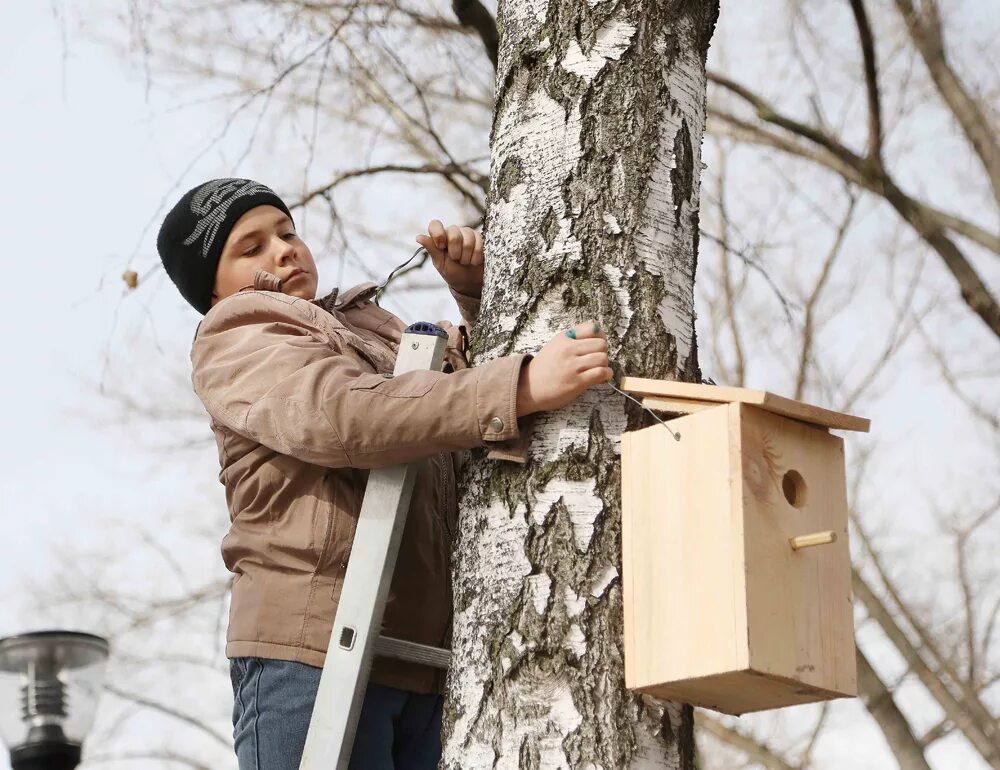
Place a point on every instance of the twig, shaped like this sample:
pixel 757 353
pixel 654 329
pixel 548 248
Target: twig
pixel 871 81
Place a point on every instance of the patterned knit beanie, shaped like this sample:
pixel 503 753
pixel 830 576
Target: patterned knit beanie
pixel 193 233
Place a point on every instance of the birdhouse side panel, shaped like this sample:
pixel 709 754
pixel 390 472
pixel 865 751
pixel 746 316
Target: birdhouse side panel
pixel 798 596
pixel 683 573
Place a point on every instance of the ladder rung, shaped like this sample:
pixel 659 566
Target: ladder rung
pixel 387 647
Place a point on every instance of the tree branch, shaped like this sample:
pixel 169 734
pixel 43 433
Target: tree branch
pixel 749 133
pixel 427 168
pixel 927 36
pixel 187 719
pixel 472 13
pixel 957 711
pixel 758 752
pixel 871 81
pixel 979 410
pixel 974 292
pixel 972 703
pixel 881 705
pixel 809 322
pixel 729 289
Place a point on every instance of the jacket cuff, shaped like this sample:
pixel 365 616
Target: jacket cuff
pixel 515 450
pixel 496 407
pixel 467 306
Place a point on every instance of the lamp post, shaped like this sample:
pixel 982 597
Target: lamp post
pixel 50 682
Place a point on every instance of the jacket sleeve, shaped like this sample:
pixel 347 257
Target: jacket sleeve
pixel 516 448
pixel 264 367
pixel 468 307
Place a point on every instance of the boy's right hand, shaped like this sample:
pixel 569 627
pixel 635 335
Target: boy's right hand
pixel 563 369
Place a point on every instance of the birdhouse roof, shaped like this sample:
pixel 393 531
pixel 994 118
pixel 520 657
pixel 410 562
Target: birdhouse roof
pixel 687 392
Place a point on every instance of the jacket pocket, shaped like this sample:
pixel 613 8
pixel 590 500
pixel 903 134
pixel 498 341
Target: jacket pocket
pixel 387 385
pixel 325 524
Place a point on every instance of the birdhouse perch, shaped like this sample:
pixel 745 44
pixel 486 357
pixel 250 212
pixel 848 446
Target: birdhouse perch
pixel 736 568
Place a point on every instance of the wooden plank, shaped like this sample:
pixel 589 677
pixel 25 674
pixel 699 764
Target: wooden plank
pixel 798 410
pixel 741 692
pixel 798 601
pixel 682 561
pixel 676 405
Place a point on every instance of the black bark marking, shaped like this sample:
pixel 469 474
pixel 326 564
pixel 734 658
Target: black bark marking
pixel 682 174
pixel 550 228
pixel 686 744
pixel 508 177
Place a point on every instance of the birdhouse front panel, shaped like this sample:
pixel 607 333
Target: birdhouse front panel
pixel 799 612
pixel 736 572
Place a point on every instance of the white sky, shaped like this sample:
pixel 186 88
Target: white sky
pixel 85 162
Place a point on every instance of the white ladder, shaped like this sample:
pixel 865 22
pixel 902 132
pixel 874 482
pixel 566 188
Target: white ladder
pixel 354 639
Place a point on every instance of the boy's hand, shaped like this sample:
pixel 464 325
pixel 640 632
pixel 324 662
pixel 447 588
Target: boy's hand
pixel 565 367
pixel 457 253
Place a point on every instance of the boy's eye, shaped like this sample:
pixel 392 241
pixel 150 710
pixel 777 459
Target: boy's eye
pixel 251 251
pixel 289 236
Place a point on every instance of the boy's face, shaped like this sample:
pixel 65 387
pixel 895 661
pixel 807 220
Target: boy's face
pixel 264 238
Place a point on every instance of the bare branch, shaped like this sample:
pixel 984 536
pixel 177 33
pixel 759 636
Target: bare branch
pixel 871 80
pixel 743 131
pixel 928 38
pixel 472 13
pixel 809 323
pixel 882 706
pixel 936 733
pixel 806 758
pixel 977 409
pixel 134 756
pixel 180 716
pixel 974 292
pixel 427 168
pixel 757 752
pixel 958 711
pixel 729 289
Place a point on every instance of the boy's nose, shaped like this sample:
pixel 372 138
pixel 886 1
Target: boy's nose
pixel 285 252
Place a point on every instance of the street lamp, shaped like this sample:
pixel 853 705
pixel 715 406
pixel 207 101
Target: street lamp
pixel 50 682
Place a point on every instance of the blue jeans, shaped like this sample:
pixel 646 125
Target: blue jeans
pixel 273 701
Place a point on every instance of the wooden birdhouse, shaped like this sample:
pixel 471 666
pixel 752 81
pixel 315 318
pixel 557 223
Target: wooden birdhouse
pixel 736 570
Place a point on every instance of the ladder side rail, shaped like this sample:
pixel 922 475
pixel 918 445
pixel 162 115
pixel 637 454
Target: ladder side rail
pixel 366 586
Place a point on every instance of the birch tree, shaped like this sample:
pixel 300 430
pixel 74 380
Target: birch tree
pixel 592 213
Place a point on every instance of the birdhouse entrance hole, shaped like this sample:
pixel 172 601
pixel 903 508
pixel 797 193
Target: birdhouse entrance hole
pixel 794 487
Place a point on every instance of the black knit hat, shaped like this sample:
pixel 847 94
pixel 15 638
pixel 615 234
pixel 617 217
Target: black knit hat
pixel 193 233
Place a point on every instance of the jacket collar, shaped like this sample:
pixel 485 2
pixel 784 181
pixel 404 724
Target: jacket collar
pixel 350 298
pixel 335 300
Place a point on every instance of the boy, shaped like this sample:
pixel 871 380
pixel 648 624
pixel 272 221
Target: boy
pixel 302 403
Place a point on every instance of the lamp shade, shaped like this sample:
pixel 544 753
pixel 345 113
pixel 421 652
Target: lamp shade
pixel 50 682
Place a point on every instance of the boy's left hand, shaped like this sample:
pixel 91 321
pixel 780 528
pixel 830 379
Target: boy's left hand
pixel 457 253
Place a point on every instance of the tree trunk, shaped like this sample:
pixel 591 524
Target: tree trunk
pixel 592 213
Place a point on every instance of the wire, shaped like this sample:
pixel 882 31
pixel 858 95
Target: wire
pixel 671 431
pixel 382 286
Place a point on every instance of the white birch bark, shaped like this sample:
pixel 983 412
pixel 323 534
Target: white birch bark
pixel 593 213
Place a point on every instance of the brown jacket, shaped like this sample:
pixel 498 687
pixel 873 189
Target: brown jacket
pixel 301 408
